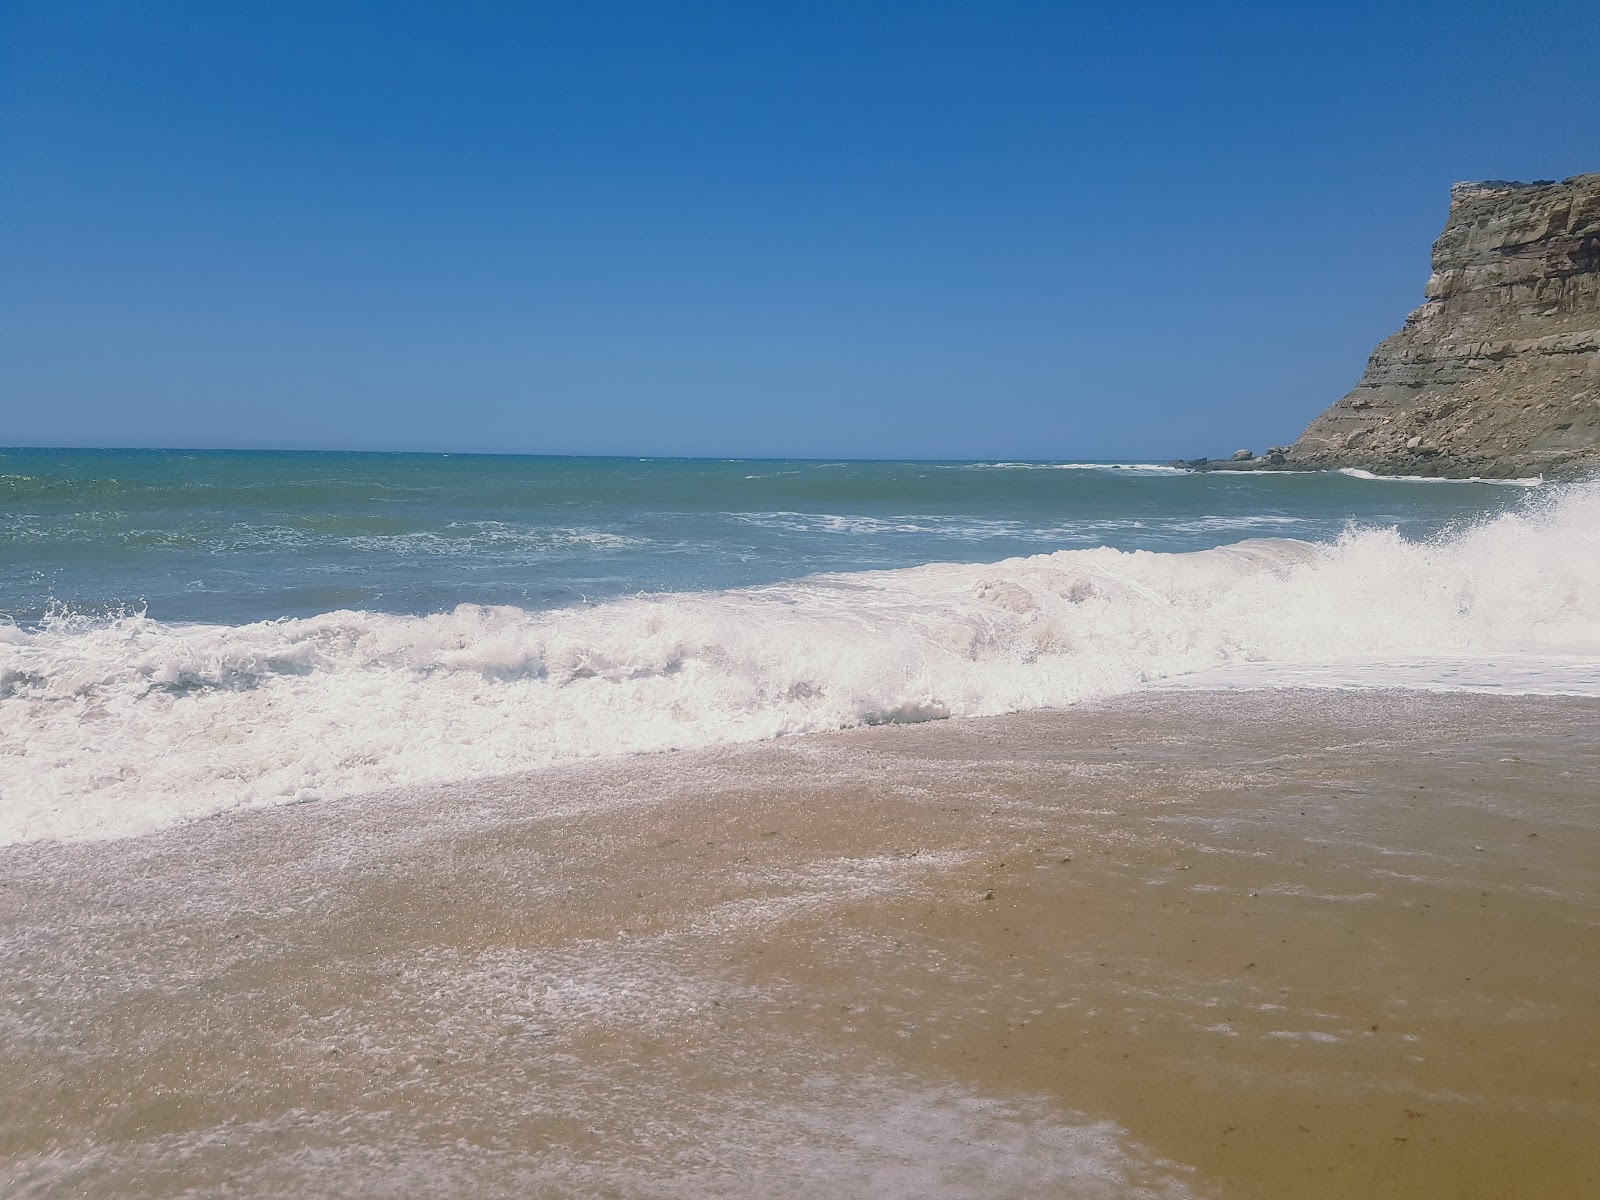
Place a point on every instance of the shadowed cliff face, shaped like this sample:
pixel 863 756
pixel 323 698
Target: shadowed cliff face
pixel 1498 373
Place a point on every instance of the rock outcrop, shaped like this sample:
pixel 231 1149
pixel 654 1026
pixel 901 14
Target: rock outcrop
pixel 1498 373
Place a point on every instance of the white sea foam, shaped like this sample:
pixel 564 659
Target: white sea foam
pixel 1358 473
pixel 1504 674
pixel 117 727
pixel 969 528
pixel 459 539
pixel 1155 468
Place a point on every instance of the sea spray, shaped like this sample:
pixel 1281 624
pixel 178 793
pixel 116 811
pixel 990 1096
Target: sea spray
pixel 112 727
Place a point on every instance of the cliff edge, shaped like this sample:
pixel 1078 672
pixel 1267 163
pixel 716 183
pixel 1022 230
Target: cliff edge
pixel 1497 374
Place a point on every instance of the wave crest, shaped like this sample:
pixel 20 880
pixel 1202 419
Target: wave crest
pixel 115 727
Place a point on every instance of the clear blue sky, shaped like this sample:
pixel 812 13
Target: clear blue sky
pixel 808 228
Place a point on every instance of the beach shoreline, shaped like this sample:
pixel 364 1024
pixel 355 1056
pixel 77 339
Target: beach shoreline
pixel 1240 944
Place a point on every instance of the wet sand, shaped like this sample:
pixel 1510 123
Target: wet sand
pixel 1272 944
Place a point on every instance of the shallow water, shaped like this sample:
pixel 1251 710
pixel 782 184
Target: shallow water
pixel 1259 945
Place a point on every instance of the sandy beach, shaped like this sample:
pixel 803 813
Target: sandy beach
pixel 1264 944
pixel 799 602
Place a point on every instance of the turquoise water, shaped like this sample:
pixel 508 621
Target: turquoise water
pixel 233 537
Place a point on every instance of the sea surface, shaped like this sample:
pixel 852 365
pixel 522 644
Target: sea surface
pixel 186 632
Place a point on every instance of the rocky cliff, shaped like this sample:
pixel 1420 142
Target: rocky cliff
pixel 1498 373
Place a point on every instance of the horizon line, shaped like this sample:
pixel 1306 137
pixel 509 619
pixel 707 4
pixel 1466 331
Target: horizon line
pixel 639 457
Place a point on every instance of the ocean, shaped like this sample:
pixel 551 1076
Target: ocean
pixel 186 632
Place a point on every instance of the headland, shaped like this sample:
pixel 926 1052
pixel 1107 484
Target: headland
pixel 1497 374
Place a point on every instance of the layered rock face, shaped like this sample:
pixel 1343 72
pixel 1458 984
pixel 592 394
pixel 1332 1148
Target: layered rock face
pixel 1498 373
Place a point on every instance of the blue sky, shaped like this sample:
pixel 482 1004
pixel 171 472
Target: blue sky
pixel 872 229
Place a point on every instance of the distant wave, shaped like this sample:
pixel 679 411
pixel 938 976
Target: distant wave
pixel 119 726
pixel 1358 473
pixel 970 528
pixel 459 538
pixel 1156 468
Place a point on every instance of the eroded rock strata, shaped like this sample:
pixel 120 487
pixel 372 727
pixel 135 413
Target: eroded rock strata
pixel 1497 374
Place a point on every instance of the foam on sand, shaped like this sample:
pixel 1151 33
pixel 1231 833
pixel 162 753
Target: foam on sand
pixel 118 727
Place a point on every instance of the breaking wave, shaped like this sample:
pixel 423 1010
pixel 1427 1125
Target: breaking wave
pixel 117 727
pixel 1521 481
pixel 1143 468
